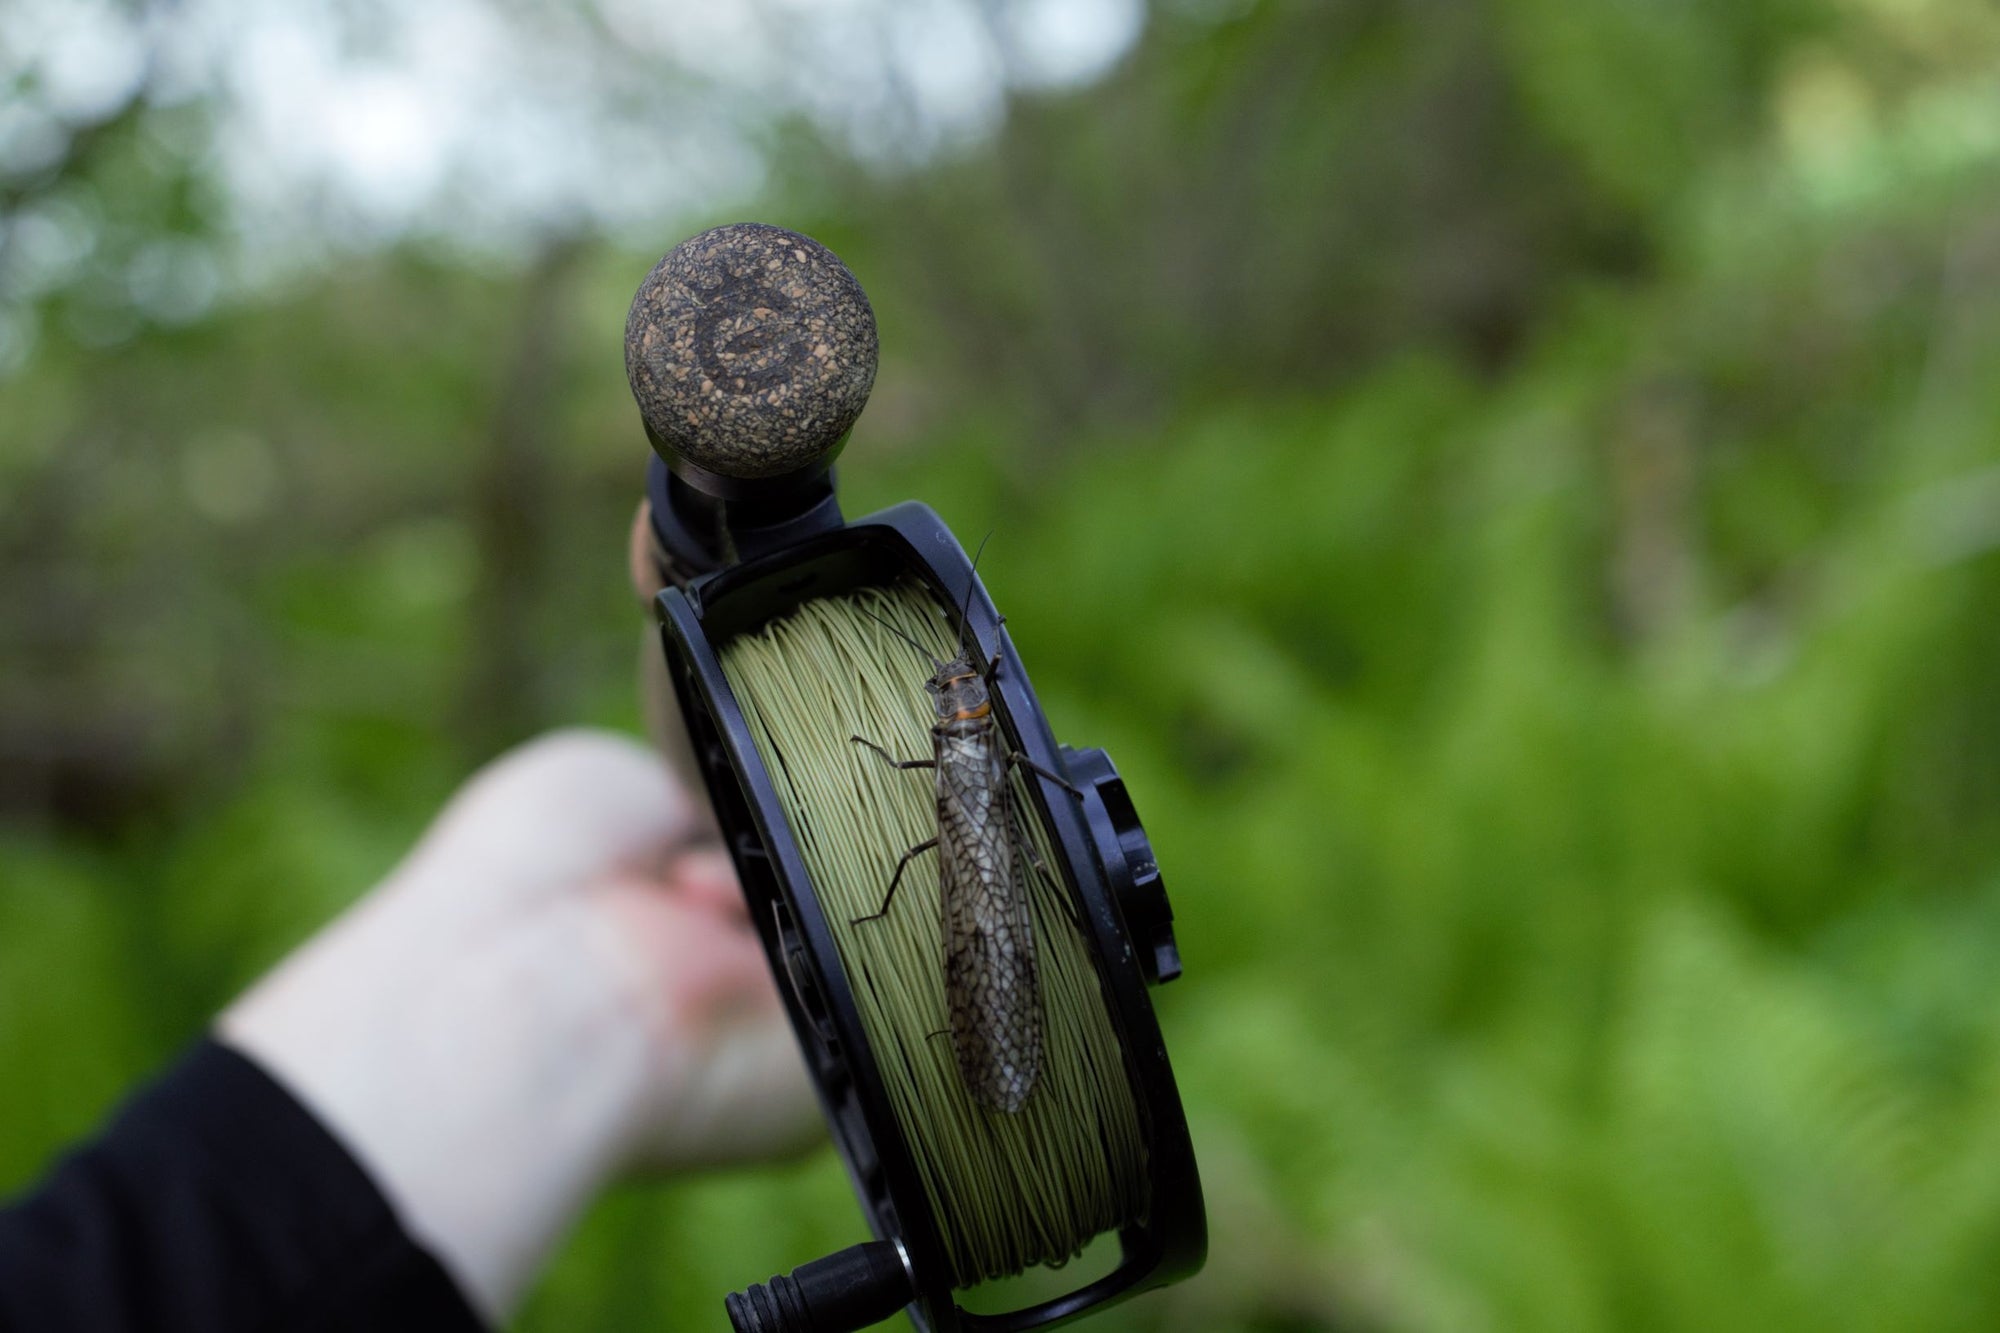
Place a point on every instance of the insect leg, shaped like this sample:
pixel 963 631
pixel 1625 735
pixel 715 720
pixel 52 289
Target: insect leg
pixel 1062 895
pixel 1016 757
pixel 896 879
pixel 1027 846
pixel 893 761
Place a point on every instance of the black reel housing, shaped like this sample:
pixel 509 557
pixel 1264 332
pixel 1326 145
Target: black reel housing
pixel 740 560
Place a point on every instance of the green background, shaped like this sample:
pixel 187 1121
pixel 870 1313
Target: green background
pixel 1515 487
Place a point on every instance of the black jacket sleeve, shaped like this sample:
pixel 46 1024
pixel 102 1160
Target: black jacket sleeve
pixel 215 1202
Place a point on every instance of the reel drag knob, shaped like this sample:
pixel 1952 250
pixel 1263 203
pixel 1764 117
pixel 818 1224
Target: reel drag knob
pixel 751 351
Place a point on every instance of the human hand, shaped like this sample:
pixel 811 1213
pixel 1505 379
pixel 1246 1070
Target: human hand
pixel 552 988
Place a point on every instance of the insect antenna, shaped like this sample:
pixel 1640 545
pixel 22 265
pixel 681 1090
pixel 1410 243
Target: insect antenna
pixel 971 582
pixel 935 664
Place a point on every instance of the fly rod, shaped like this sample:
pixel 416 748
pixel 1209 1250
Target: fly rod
pixel 964 922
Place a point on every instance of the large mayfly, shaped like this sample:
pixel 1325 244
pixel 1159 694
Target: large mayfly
pixel 991 977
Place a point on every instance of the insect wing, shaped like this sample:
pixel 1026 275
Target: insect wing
pixel 991 985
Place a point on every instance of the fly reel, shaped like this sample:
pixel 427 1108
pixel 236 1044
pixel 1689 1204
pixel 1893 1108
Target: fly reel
pixel 789 632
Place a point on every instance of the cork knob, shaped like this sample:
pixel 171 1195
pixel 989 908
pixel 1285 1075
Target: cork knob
pixel 751 351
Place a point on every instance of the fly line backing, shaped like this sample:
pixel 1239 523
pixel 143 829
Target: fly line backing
pixel 1008 1190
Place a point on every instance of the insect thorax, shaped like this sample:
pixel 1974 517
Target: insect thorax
pixel 959 692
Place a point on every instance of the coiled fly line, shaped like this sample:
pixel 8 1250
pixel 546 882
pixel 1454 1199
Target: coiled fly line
pixel 1008 1190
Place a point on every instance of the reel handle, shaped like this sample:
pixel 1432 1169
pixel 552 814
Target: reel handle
pixel 751 351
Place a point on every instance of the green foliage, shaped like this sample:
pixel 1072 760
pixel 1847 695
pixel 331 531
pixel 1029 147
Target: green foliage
pixel 1513 487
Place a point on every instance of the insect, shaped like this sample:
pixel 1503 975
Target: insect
pixel 991 978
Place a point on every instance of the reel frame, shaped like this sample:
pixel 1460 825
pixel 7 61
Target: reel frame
pixel 1106 859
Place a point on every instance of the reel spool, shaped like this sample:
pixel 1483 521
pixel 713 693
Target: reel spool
pixel 751 351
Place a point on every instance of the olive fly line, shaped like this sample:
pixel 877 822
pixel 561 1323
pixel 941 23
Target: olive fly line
pixel 1008 1190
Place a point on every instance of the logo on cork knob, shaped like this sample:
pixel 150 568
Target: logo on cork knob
pixel 745 338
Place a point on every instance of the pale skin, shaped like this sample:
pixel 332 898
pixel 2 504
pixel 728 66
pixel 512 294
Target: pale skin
pixel 555 988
